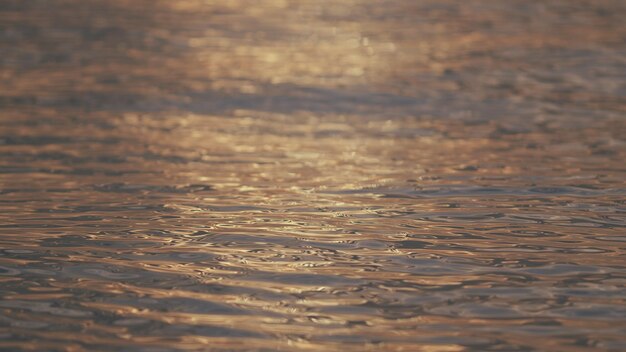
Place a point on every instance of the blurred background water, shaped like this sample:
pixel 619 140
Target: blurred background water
pixel 314 175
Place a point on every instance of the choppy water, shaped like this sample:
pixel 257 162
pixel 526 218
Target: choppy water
pixel 312 175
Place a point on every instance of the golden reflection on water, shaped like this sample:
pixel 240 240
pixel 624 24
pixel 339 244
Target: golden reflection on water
pixel 306 175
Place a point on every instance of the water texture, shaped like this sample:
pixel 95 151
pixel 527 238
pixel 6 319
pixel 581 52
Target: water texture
pixel 312 175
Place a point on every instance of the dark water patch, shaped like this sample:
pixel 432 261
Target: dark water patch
pixel 133 188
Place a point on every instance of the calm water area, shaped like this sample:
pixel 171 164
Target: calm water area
pixel 312 175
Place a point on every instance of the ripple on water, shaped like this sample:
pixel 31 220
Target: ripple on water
pixel 312 175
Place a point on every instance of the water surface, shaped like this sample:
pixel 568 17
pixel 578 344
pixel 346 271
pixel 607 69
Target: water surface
pixel 312 175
